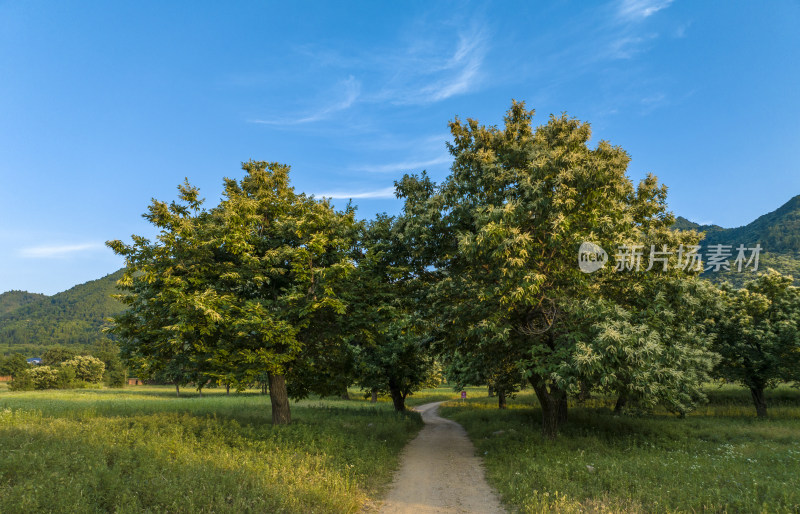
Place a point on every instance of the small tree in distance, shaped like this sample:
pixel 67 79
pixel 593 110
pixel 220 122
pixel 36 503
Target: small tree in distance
pixel 758 335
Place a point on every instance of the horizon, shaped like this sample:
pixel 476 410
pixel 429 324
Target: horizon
pixel 108 106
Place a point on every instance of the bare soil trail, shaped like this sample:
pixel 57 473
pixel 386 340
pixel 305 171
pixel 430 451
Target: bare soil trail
pixel 439 472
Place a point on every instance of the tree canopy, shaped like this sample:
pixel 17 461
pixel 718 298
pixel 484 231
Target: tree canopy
pixel 252 285
pixel 758 334
pixel 479 273
pixel 501 235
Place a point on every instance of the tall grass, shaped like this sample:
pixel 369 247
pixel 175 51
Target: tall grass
pixel 145 450
pixel 719 459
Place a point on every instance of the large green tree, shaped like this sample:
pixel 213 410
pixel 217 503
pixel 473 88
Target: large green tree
pixel 392 348
pixel 758 335
pixel 502 234
pixel 250 286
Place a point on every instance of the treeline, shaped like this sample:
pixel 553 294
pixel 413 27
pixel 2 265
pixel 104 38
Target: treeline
pixel 476 279
pixel 65 368
pixel 478 276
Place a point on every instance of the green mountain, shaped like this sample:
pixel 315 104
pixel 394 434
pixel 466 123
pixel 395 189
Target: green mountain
pixel 13 300
pixel 778 233
pixel 31 323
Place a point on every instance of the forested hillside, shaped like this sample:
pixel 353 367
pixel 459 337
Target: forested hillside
pixel 13 300
pixel 778 233
pixel 31 323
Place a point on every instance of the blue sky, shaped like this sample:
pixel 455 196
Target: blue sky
pixel 105 105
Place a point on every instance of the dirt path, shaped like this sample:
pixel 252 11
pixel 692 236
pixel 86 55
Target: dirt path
pixel 439 472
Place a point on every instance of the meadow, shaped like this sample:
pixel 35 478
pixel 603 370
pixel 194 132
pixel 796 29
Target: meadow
pixel 718 459
pixel 144 450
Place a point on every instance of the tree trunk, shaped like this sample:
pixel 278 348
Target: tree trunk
pixel 281 414
pixel 177 390
pixel 758 399
pixel 491 391
pixel 622 401
pixel 501 399
pixel 585 393
pixel 397 396
pixel 374 398
pixel 227 389
pixel 345 394
pixel 554 407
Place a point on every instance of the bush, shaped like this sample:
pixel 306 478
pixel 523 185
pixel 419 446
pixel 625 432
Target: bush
pixel 44 377
pixel 22 382
pixel 87 368
pixel 66 377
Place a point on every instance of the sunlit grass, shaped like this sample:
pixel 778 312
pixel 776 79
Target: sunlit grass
pixel 142 449
pixel 719 459
pixel 443 393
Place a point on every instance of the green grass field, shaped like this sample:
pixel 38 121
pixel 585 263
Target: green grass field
pixel 718 459
pixel 142 449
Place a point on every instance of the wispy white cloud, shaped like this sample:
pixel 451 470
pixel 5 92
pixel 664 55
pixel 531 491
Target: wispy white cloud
pixel 433 71
pixel 638 10
pixel 351 92
pixel 402 166
pixel 681 31
pixel 652 102
pixel 462 69
pixel 387 192
pixel 426 65
pixel 653 99
pixel 625 47
pixel 39 252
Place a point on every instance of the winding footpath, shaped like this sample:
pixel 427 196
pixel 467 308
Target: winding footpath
pixel 440 473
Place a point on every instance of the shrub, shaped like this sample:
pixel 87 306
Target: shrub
pixel 22 382
pixel 66 377
pixel 15 365
pixel 44 377
pixel 87 368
